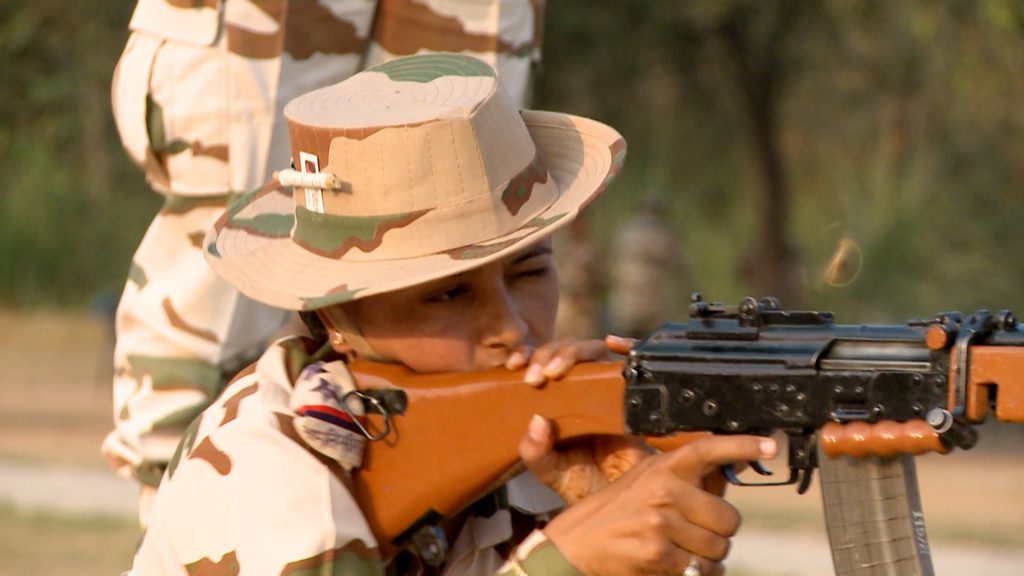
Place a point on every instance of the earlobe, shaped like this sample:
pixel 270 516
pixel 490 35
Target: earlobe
pixel 338 342
pixel 337 339
pixel 344 335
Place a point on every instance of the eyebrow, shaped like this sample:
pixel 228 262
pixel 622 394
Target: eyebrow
pixel 535 251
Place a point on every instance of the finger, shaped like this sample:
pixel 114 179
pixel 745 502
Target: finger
pixel 518 358
pixel 703 543
pixel 673 540
pixel 566 355
pixel 700 458
pixel 708 516
pixel 563 360
pixel 710 568
pixel 541 358
pixel 710 513
pixel 591 350
pixel 657 554
pixel 615 455
pixel 619 344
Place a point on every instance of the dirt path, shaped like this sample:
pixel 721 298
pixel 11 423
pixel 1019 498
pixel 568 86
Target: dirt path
pixel 763 553
pixel 65 489
pixel 757 550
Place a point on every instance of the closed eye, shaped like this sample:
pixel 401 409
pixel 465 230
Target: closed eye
pixel 448 294
pixel 533 272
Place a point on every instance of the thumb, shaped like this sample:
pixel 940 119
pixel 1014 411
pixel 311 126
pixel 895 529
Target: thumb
pixel 618 344
pixel 535 450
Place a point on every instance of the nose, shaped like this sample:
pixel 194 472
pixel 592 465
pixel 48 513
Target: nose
pixel 502 324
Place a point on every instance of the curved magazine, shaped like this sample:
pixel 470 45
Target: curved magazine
pixel 873 516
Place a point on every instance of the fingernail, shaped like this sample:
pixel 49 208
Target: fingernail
pixel 535 374
pixel 554 368
pixel 768 448
pixel 516 360
pixel 537 430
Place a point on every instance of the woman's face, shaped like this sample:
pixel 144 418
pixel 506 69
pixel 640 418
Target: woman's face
pixel 470 321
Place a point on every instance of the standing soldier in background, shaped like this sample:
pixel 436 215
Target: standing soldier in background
pixel 582 278
pixel 649 275
pixel 197 99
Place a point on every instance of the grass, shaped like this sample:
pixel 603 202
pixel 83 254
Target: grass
pixel 33 543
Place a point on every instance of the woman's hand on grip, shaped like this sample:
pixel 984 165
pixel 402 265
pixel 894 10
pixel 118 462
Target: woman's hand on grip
pixel 655 516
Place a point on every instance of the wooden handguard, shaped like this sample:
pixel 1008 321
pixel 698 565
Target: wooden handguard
pixel 886 438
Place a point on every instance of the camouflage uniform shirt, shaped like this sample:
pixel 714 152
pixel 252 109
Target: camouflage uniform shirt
pixel 248 493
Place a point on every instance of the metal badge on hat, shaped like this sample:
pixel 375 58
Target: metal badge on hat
pixel 310 164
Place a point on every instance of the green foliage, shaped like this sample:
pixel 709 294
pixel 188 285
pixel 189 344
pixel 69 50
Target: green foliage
pixel 898 125
pixel 73 207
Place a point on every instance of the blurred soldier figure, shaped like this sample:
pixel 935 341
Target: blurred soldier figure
pixel 582 280
pixel 197 98
pixel 648 272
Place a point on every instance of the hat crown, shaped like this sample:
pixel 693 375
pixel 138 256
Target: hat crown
pixel 429 149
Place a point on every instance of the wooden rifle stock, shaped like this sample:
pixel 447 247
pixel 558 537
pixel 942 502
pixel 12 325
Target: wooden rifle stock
pixel 459 434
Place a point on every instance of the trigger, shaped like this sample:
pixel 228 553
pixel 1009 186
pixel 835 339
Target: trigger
pixel 730 474
pixel 760 468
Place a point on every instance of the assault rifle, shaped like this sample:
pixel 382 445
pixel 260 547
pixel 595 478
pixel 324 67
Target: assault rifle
pixel 856 402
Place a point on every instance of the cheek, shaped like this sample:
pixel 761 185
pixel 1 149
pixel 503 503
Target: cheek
pixel 538 303
pixel 426 347
pixel 442 354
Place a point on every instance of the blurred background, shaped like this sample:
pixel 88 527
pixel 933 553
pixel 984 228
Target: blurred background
pixel 859 156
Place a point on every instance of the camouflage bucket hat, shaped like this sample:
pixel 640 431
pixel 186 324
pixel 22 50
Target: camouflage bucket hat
pixel 404 173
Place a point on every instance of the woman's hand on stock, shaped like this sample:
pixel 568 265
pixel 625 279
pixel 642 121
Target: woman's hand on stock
pixel 553 360
pixel 654 517
pixel 594 462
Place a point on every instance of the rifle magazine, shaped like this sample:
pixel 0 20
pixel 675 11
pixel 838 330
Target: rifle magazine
pixel 873 516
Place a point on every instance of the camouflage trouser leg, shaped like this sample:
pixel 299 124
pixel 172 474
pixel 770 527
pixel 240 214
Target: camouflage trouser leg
pixel 181 331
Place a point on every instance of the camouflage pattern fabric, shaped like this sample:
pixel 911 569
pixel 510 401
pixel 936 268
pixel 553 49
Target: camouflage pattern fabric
pixel 245 494
pixel 197 98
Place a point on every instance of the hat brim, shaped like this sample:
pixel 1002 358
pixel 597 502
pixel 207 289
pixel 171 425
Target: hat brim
pixel 581 155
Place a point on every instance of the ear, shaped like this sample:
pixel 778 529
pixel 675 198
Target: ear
pixel 344 334
pixel 335 333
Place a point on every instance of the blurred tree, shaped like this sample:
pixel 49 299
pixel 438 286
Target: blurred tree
pixel 885 134
pixel 757 37
pixel 66 228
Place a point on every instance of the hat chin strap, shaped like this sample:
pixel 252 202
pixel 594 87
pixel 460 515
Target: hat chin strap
pixel 345 334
